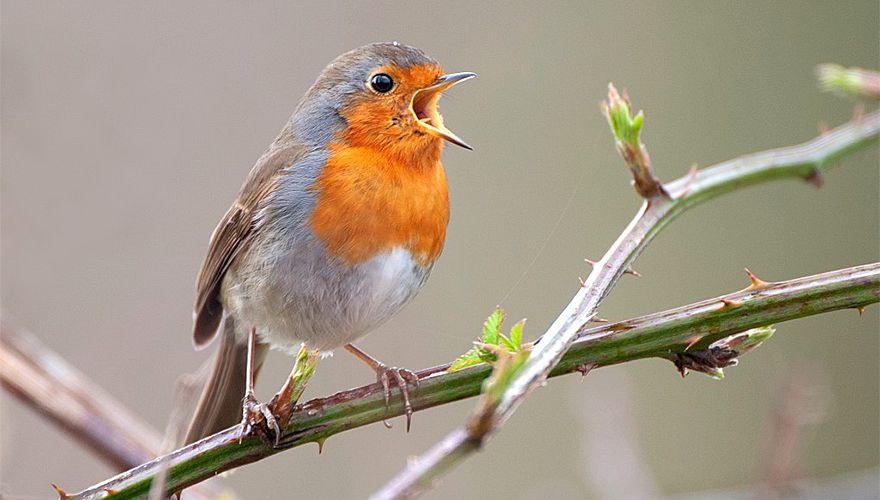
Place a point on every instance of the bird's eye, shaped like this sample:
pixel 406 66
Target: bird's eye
pixel 381 83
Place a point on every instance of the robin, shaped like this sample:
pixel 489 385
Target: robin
pixel 336 227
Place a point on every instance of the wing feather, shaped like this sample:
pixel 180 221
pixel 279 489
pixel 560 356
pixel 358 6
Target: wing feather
pixel 233 235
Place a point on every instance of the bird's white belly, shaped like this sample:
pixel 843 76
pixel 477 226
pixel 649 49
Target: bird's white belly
pixel 303 297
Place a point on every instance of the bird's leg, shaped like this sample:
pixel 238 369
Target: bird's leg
pixel 255 415
pixel 402 377
pixel 283 402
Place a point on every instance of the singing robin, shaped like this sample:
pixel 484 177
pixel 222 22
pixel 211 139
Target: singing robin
pixel 336 227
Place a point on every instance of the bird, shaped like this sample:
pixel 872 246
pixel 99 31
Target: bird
pixel 336 227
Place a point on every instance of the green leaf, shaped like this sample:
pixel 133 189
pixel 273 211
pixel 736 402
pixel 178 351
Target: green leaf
pixel 503 372
pixel 470 358
pixel 843 81
pixel 492 327
pixel 516 334
pixel 507 343
pixel 624 126
pixel 492 340
pixel 486 356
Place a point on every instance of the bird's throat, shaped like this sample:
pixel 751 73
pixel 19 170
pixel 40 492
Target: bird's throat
pixel 369 201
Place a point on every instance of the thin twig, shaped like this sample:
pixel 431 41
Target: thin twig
pixel 185 390
pixel 661 206
pixel 47 383
pixel 650 336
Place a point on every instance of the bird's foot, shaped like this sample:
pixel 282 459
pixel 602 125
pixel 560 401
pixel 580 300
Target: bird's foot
pixel 258 419
pixel 402 378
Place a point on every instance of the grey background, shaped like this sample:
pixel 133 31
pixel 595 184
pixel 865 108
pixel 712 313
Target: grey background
pixel 127 128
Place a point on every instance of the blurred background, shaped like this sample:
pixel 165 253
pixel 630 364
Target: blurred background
pixel 128 127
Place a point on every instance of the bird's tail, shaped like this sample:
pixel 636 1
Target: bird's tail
pixel 220 404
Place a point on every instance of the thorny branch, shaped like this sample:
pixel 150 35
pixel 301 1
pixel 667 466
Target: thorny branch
pixel 344 411
pixel 657 335
pixel 662 205
pixel 55 389
pixel 44 381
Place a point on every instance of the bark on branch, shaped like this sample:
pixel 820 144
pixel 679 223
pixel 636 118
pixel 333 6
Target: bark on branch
pixel 662 205
pixel 61 393
pixel 655 335
pixel 568 344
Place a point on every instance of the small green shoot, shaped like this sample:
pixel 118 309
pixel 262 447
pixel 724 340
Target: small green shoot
pixel 492 336
pixel 849 81
pixel 624 126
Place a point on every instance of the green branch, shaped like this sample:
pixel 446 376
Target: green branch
pixel 693 332
pixel 655 335
pixel 317 420
pixel 662 205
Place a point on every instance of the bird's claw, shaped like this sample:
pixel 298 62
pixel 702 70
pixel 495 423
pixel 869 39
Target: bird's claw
pixel 402 378
pixel 258 419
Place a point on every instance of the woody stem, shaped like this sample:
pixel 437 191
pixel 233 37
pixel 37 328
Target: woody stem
pixel 661 206
pixel 654 335
pixel 558 352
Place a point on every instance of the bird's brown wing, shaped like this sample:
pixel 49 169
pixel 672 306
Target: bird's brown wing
pixel 233 235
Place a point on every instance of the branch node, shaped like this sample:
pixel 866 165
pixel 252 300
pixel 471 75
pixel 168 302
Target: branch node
pixel 720 354
pixel 711 361
pixel 626 129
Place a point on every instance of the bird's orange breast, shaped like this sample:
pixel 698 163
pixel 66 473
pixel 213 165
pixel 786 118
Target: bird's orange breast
pixel 370 202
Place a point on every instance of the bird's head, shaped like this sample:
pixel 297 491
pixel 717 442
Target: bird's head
pixel 383 96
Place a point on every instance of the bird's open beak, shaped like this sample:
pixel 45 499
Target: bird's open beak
pixel 424 106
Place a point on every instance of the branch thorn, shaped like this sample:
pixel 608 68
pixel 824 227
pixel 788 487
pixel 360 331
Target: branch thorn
pixel 861 311
pixel 582 282
pixel 584 369
pixel 61 493
pixel 816 178
pixel 730 304
pixel 858 113
pixel 320 443
pixel 691 341
pixel 692 177
pixel 756 281
pixel 823 127
pixel 628 270
pixel 597 319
